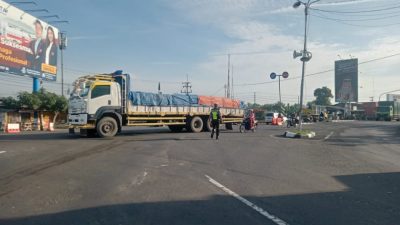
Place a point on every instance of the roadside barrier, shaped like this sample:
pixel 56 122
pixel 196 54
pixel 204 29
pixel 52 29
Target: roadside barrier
pixel 13 128
pixel 277 121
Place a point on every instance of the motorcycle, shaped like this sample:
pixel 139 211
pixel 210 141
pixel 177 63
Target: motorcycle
pixel 245 126
pixel 292 122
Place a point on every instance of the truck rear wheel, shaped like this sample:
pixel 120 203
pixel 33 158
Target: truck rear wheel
pixel 107 127
pixel 196 124
pixel 207 125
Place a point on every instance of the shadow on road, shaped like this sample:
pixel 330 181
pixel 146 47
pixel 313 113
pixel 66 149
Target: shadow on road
pixel 387 134
pixel 371 199
pixel 125 133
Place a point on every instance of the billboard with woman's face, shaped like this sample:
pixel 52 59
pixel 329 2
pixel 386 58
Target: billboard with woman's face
pixel 28 46
pixel 346 80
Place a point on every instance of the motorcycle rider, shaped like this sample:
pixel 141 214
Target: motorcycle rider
pixel 251 118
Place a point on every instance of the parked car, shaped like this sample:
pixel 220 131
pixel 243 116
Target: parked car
pixel 269 116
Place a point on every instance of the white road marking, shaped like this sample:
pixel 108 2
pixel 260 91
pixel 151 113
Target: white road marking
pixel 2 152
pixel 329 135
pixel 271 217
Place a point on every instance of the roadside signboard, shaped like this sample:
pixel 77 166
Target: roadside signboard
pixel 346 80
pixel 28 46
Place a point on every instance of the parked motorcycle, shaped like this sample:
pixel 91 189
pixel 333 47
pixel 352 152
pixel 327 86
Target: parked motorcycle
pixel 292 122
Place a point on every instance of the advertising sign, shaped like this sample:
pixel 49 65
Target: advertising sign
pixel 346 80
pixel 28 46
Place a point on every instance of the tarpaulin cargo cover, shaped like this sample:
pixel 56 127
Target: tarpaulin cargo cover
pixel 151 99
pixel 222 102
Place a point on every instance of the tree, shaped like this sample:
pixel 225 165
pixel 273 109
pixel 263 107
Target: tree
pixel 52 102
pixel 60 105
pixel 42 101
pixel 28 100
pixel 323 96
pixel 10 103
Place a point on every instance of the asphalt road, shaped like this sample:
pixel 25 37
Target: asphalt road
pixel 348 174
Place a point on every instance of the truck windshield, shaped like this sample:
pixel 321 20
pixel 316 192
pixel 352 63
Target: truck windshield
pixel 81 88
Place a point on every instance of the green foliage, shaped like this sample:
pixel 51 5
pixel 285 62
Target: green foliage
pixel 10 103
pixel 323 96
pixel 29 101
pixel 42 101
pixel 310 104
pixel 279 107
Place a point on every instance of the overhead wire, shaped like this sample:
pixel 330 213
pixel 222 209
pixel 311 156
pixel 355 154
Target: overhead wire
pixel 357 12
pixel 318 73
pixel 352 24
pixel 363 19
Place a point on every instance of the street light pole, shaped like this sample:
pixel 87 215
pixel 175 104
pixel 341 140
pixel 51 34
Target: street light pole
pixel 306 56
pixel 62 46
pixel 388 92
pixel 284 75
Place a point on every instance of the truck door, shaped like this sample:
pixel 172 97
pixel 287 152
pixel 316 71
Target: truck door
pixel 100 96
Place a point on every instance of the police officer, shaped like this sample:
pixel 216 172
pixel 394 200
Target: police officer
pixel 215 117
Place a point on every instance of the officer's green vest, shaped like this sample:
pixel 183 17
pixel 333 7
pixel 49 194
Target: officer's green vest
pixel 214 115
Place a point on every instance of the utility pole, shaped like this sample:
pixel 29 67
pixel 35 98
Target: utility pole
pixel 228 91
pixel 254 98
pixel 305 55
pixel 225 87
pixel 186 86
pixel 232 92
pixel 62 46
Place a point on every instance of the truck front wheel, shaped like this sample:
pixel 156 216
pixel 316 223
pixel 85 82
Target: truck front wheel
pixel 107 127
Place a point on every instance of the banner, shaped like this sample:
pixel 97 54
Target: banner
pixel 28 46
pixel 346 80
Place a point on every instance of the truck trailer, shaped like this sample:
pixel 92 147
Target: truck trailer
pixel 388 110
pixel 103 104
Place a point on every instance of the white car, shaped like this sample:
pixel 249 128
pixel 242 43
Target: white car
pixel 270 115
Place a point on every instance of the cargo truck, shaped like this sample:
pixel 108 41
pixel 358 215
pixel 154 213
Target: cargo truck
pixel 103 104
pixel 388 110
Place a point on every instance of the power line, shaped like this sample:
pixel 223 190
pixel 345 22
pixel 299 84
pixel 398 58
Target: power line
pixel 358 20
pixel 321 72
pixel 357 12
pixel 351 24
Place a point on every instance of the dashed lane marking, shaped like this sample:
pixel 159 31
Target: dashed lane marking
pixel 2 152
pixel 264 213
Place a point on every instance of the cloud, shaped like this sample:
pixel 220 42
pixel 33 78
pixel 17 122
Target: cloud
pixel 273 46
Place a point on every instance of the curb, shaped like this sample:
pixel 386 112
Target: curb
pixel 289 134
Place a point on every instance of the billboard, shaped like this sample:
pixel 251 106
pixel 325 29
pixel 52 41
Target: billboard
pixel 346 80
pixel 28 46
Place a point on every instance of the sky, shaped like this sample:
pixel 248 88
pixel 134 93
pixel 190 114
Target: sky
pixel 165 41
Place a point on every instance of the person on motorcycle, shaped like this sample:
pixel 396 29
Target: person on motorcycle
pixel 216 118
pixel 251 118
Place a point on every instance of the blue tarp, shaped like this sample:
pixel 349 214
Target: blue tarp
pixel 152 99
